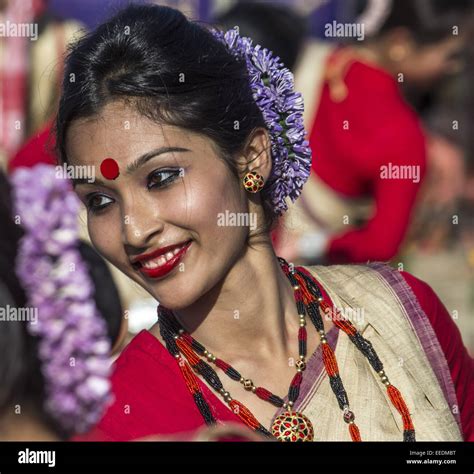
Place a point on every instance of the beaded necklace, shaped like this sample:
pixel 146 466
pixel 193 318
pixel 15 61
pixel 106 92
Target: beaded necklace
pixel 291 425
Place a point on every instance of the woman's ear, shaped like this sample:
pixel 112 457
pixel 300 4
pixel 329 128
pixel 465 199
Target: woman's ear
pixel 257 154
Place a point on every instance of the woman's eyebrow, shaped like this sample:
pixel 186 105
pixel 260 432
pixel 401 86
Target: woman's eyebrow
pixel 151 154
pixel 140 161
pixel 79 181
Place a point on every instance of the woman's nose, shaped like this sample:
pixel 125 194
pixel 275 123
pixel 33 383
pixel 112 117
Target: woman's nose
pixel 139 228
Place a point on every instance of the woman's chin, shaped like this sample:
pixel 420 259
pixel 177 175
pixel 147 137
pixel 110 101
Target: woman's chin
pixel 176 304
pixel 175 297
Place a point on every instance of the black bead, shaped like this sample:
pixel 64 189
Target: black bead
pixel 264 431
pixel 311 285
pixel 292 279
pixel 293 393
pixel 198 347
pixel 170 342
pixel 168 320
pixel 233 374
pixel 338 389
pixel 204 408
pixel 315 316
pixel 276 400
pixel 367 349
pixel 209 375
pixel 302 347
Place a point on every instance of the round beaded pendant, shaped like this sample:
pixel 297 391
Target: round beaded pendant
pixel 292 426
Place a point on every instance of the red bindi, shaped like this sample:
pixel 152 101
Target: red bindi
pixel 109 168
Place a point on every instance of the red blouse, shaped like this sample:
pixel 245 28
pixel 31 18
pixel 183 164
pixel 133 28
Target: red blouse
pixel 152 398
pixel 37 149
pixel 351 139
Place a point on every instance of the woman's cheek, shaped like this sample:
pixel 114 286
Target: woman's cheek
pixel 103 242
pixel 212 194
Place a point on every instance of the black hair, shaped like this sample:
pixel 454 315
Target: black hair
pixel 278 28
pixel 172 71
pixel 106 295
pixel 429 21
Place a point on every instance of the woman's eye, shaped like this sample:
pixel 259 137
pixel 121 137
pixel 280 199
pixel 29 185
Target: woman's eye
pixel 158 179
pixel 95 202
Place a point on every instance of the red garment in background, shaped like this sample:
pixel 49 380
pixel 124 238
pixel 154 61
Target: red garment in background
pixel 152 397
pixel 38 149
pixel 351 139
pixel 14 70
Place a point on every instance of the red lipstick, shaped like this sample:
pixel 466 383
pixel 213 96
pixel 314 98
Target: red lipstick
pixel 166 267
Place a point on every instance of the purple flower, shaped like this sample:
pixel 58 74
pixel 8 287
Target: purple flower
pixel 73 345
pixel 282 108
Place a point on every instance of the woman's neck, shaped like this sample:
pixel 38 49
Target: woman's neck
pixel 250 314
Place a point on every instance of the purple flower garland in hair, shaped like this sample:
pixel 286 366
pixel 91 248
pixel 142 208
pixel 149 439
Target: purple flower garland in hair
pixel 73 344
pixel 282 109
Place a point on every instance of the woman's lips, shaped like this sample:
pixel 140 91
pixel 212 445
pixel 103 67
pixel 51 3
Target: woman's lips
pixel 159 266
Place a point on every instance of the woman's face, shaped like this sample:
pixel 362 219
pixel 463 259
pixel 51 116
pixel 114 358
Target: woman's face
pixel 174 195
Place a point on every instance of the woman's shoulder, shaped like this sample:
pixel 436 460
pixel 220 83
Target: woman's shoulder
pixel 381 280
pixel 380 284
pixel 344 272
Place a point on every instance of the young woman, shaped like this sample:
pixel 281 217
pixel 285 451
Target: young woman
pixel 196 139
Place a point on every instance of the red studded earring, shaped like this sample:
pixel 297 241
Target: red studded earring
pixel 253 182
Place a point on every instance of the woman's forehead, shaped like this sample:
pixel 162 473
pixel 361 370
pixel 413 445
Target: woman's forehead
pixel 123 133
